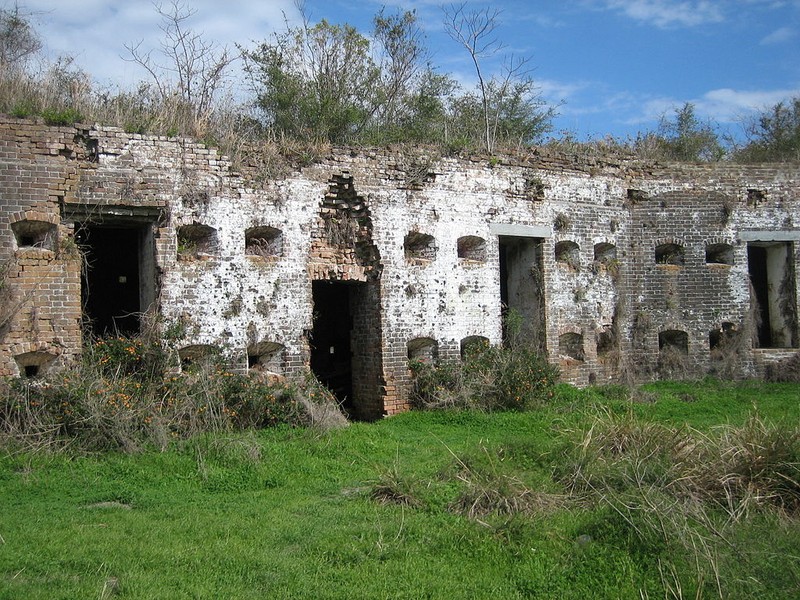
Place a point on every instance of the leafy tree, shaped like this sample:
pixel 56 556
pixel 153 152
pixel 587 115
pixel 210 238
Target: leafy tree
pixel 774 134
pixel 329 81
pixel 315 81
pixel 686 138
pixel 402 54
pixel 426 113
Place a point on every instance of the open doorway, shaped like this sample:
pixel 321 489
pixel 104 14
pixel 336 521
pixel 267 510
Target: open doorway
pixel 331 353
pixel 346 344
pixel 771 269
pixel 118 278
pixel 521 291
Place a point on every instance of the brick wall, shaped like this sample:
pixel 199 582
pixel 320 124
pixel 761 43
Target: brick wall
pixel 349 217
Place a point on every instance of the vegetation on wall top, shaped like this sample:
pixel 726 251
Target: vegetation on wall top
pixel 331 83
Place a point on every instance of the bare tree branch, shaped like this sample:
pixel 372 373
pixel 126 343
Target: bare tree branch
pixel 189 68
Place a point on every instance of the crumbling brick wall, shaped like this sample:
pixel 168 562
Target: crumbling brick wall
pixel 610 266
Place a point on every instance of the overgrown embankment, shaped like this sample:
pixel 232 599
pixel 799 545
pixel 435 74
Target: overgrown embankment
pixel 689 491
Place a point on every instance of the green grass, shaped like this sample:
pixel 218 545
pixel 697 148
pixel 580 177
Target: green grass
pixel 289 513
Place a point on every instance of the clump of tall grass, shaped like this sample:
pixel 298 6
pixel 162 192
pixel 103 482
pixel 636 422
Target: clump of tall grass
pixel 733 468
pixel 488 488
pixel 123 396
pixel 487 378
pixel 392 487
pixel 742 468
pixel 678 491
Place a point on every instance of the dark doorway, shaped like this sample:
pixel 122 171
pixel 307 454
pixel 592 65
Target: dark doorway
pixel 117 282
pixel 521 291
pixel 771 269
pixel 331 355
pixel 757 265
pixel 346 345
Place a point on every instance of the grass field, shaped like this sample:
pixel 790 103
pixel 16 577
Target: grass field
pixel 422 505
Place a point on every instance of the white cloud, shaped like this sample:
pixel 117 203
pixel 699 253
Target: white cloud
pixel 95 31
pixel 669 13
pixel 723 106
pixel 727 106
pixel 779 36
pixel 556 91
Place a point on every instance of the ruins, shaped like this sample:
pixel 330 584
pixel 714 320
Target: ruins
pixel 360 260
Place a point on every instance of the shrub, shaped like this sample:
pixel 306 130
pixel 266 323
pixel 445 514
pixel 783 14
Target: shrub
pixel 119 398
pixel 488 378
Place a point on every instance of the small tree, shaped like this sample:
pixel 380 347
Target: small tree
pixel 511 108
pixel 18 40
pixel 315 81
pixel 402 57
pixel 191 70
pixel 774 135
pixel 685 138
pixel 329 81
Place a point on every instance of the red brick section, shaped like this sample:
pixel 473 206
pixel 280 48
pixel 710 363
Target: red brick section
pixel 39 168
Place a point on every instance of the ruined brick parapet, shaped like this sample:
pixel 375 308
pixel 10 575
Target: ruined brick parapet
pixel 366 259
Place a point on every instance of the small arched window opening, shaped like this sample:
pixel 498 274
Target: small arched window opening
pixel 419 246
pixel 606 342
pixel 471 247
pixel 674 339
pixel 29 233
pixel 196 241
pixel 266 357
pixel 719 254
pixel 723 338
pixel 570 345
pixel 605 253
pixel 670 254
pixel 425 350
pixel 198 355
pixel 34 364
pixel 568 253
pixel 673 353
pixel 266 242
pixel 473 345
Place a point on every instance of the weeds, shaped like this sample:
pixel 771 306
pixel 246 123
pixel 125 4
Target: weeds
pixel 787 370
pixel 488 378
pixel 678 491
pixel 119 397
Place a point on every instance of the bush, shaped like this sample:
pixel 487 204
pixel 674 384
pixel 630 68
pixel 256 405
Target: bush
pixel 489 378
pixel 119 398
pixel 66 116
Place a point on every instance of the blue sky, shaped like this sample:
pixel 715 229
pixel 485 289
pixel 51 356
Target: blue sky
pixel 613 66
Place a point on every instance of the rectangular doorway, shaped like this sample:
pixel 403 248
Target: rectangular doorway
pixel 118 281
pixel 346 344
pixel 521 291
pixel 772 287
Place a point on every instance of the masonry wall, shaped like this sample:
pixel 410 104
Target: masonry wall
pixel 234 256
